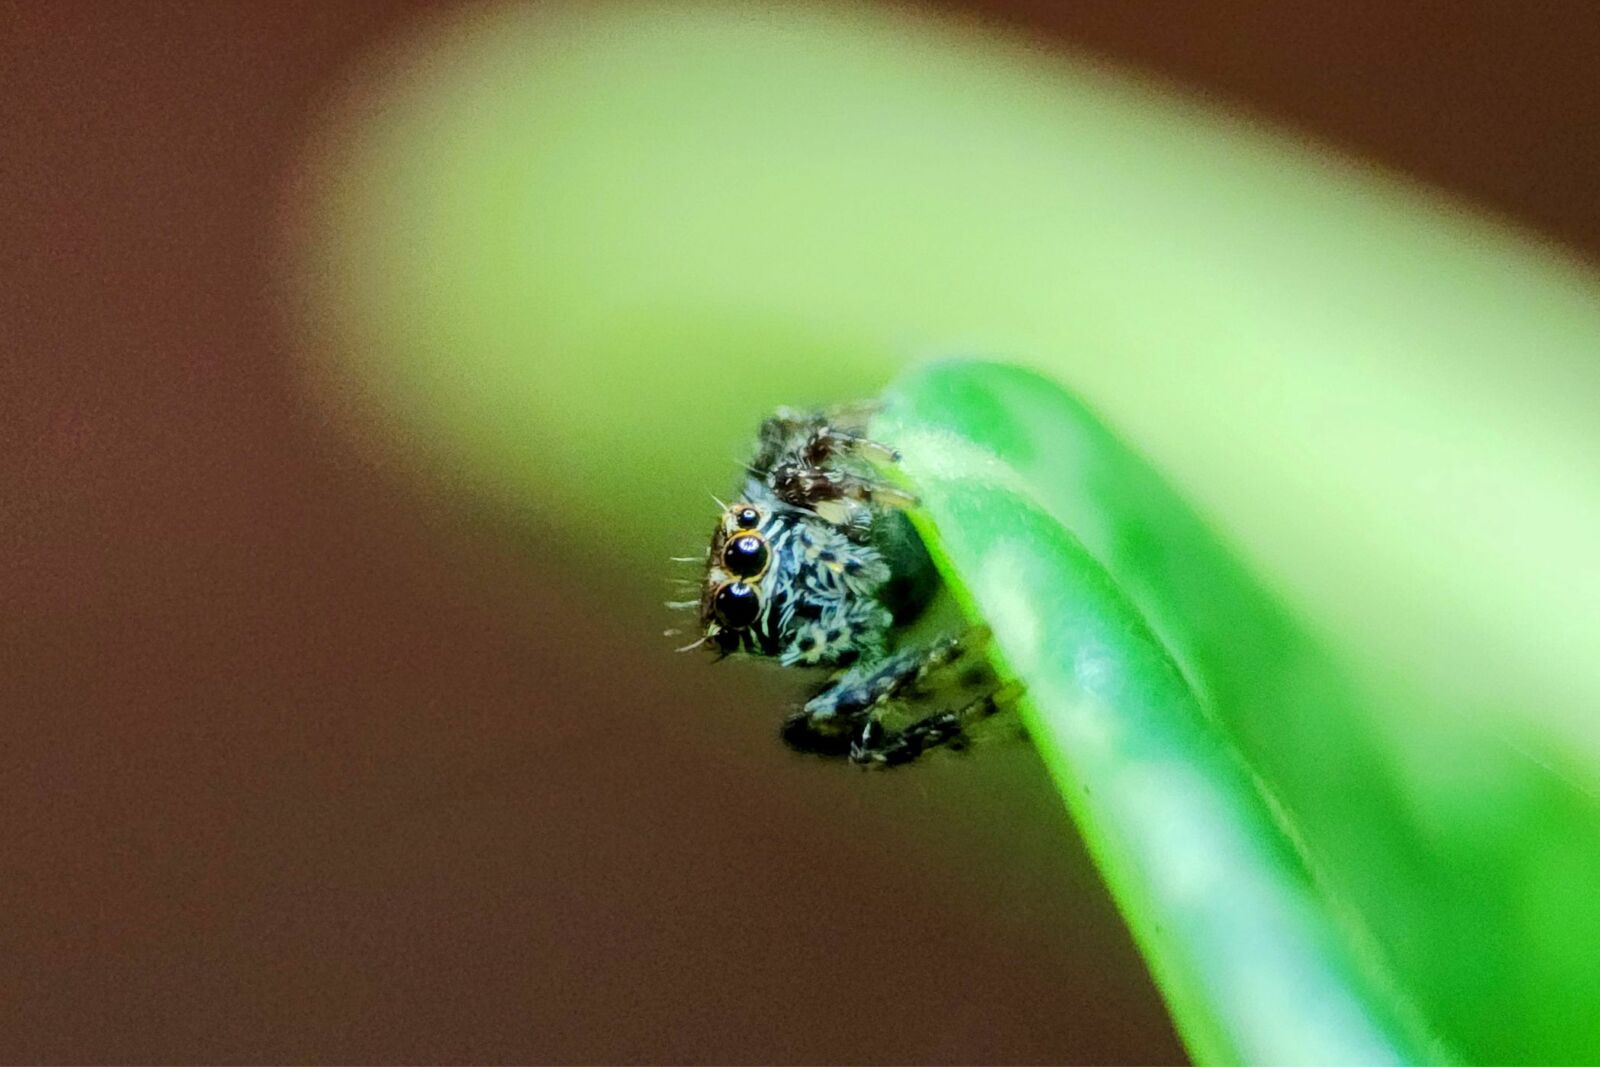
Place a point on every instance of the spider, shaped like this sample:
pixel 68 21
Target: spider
pixel 817 565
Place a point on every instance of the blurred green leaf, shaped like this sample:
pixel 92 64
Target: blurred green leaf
pixel 568 255
pixel 1306 886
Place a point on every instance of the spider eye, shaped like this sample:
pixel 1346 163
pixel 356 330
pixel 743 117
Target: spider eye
pixel 736 605
pixel 747 517
pixel 745 555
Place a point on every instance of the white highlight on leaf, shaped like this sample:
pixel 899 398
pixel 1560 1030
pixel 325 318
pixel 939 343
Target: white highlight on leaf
pixel 938 455
pixel 1088 721
pixel 1002 589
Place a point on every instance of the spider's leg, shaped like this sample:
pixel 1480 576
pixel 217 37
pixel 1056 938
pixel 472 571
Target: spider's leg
pixel 826 440
pixel 876 745
pixel 864 689
pixel 808 487
pixel 829 721
pixel 812 458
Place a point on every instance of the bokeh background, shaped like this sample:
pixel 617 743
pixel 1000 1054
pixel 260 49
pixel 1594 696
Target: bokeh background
pixel 327 740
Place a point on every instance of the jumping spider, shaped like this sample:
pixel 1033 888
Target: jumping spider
pixel 817 565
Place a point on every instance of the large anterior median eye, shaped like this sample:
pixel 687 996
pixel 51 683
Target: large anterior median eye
pixel 736 605
pixel 745 555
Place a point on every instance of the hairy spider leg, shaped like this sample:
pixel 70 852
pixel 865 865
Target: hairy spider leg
pixel 844 718
pixel 795 451
pixel 825 440
pixel 807 486
pixel 871 685
pixel 876 745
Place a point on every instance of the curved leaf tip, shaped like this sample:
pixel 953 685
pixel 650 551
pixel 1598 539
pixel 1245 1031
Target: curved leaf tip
pixel 1088 569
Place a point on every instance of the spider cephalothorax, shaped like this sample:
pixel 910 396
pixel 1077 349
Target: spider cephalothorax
pixel 817 565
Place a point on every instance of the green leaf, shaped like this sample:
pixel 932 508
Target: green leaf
pixel 1304 888
pixel 567 255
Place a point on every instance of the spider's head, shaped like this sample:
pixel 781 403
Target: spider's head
pixel 732 598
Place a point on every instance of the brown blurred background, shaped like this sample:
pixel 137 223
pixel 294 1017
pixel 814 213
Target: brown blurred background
pixel 307 761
